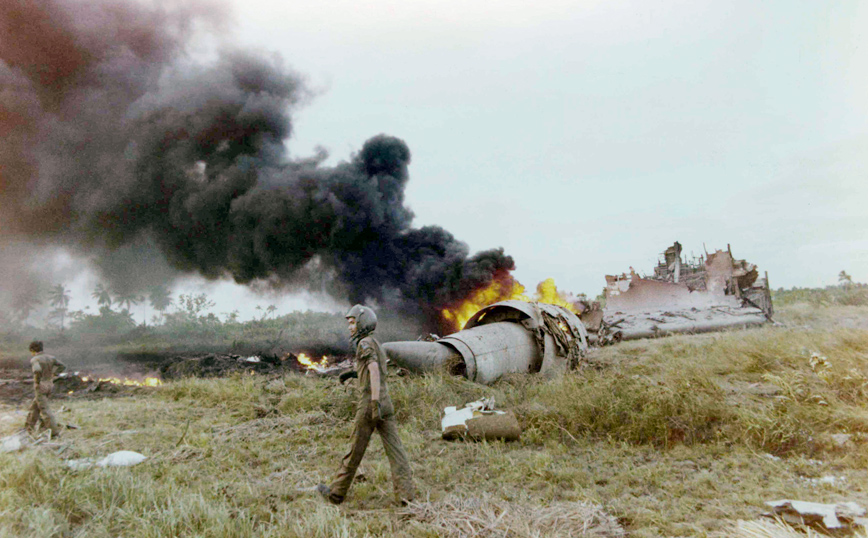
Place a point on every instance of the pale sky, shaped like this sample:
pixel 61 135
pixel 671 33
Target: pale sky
pixel 585 137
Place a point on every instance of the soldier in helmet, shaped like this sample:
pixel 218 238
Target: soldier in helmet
pixel 374 411
pixel 44 367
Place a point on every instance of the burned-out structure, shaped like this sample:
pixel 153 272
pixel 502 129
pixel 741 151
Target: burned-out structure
pixel 505 337
pixel 705 293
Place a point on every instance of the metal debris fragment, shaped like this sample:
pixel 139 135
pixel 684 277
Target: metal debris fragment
pixel 478 421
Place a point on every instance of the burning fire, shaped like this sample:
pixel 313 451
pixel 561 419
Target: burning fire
pixel 147 382
pixel 311 364
pixel 546 292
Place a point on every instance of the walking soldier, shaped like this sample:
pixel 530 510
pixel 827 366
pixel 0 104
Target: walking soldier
pixel 374 411
pixel 44 367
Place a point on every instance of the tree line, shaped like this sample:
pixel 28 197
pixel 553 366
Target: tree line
pixel 116 309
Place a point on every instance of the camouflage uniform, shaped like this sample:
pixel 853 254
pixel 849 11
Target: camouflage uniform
pixel 44 367
pixel 368 350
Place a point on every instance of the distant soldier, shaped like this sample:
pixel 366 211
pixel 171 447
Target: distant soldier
pixel 374 411
pixel 44 367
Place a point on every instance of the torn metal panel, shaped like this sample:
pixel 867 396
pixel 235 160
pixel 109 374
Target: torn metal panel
pixel 702 294
pixel 505 337
pixel 591 315
pixel 636 293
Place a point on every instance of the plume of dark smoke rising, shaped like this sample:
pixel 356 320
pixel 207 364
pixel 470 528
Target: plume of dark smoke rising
pixel 116 142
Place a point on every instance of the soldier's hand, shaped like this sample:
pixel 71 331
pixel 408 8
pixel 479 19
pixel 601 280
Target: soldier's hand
pixel 348 375
pixel 375 410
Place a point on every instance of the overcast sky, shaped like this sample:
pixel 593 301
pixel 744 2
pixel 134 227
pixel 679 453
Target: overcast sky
pixel 585 137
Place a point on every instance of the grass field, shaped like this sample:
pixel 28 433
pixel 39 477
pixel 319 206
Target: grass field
pixel 681 436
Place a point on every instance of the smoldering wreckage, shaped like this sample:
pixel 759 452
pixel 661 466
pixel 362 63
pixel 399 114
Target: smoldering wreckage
pixel 125 149
pixel 710 293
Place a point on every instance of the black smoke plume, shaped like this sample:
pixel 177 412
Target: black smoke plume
pixel 116 141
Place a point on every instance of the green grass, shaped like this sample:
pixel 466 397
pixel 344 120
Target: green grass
pixel 673 437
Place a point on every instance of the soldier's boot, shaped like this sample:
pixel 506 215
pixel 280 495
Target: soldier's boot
pixel 326 493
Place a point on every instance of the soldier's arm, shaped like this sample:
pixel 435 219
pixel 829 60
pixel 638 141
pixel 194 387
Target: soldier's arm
pixel 374 369
pixel 369 356
pixel 58 367
pixel 37 372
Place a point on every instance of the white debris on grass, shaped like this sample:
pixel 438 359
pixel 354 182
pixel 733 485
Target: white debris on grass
pixel 479 420
pixel 829 479
pixel 830 516
pixel 457 418
pixel 817 361
pixel 841 439
pixel 253 359
pixel 123 458
pixel 12 443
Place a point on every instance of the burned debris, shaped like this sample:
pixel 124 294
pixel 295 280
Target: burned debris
pixel 711 292
pixel 16 386
pixel 220 364
pixel 505 337
pixel 270 362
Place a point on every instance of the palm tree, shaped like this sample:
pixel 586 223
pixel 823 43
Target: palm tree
pixel 59 298
pixel 102 296
pixel 845 280
pixel 126 298
pixel 271 310
pixel 160 299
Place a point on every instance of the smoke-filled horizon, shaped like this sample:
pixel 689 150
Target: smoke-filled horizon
pixel 123 150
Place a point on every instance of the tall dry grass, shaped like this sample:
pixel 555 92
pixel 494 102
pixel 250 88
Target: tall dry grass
pixel 672 437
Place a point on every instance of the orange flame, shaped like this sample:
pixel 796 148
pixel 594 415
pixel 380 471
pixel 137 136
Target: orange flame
pixel 546 292
pixel 312 364
pixel 147 382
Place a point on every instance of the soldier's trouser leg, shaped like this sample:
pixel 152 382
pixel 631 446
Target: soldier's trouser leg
pixel 362 430
pixel 48 416
pixel 33 414
pixel 402 477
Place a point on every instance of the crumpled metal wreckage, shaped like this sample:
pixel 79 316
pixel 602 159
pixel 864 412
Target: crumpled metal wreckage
pixel 505 337
pixel 712 292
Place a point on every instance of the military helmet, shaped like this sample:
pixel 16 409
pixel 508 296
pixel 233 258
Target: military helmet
pixel 366 319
